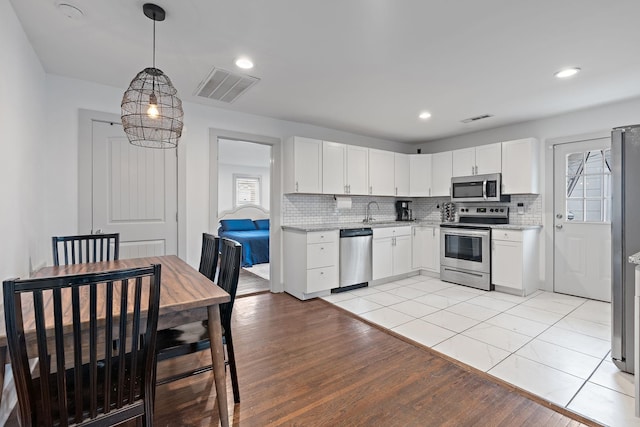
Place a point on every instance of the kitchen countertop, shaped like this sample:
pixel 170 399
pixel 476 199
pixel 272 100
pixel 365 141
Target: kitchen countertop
pixel 635 258
pixel 384 224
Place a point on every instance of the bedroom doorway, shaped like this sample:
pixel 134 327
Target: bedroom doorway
pixel 243 211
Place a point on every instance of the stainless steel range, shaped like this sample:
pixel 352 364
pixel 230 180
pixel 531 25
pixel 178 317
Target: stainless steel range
pixel 465 246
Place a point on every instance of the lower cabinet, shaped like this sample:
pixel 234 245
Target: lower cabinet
pixel 514 260
pixel 426 248
pixel 391 251
pixel 311 262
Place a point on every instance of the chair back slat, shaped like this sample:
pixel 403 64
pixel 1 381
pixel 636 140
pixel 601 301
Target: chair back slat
pixel 77 345
pixel 209 256
pixel 229 274
pixel 85 248
pixel 71 390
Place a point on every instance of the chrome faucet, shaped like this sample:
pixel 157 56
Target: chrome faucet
pixel 367 218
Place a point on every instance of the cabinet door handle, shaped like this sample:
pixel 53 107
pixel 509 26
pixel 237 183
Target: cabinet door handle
pixel 396 191
pixel 296 186
pixel 472 172
pixel 370 189
pixel 349 188
pixel 429 190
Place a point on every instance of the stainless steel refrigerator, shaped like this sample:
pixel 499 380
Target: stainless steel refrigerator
pixel 625 234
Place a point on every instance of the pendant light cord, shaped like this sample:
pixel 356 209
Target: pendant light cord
pixel 154 54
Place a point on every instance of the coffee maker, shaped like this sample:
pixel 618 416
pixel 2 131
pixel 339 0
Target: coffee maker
pixel 403 211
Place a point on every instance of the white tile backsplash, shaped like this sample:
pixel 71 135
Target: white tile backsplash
pixel 313 209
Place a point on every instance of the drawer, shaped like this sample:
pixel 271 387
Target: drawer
pixel 509 235
pixel 402 231
pixel 322 279
pixel 322 236
pixel 322 255
pixel 381 233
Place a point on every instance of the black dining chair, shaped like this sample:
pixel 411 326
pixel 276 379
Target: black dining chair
pixel 209 256
pixel 85 248
pixel 71 321
pixel 194 337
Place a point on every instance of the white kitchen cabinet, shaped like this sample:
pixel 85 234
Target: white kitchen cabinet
pixel 303 165
pixel 344 169
pixel 401 174
pixel 381 173
pixel 520 166
pixel 463 162
pixel 310 262
pixel 426 248
pixel 357 170
pixel 514 260
pixel 391 252
pixel 334 167
pixel 419 175
pixel 478 160
pixel 441 164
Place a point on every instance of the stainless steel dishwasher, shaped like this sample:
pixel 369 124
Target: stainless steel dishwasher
pixel 355 258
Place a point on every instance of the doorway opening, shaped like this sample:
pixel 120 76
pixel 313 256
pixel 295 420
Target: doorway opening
pixel 244 199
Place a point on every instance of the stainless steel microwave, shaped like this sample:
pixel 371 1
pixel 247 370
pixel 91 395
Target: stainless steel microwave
pixel 476 188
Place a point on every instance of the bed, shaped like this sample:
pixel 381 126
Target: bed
pixel 249 226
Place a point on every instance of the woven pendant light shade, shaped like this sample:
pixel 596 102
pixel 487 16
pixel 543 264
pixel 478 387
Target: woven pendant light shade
pixel 159 130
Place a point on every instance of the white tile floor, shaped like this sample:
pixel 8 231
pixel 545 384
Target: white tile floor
pixel 553 345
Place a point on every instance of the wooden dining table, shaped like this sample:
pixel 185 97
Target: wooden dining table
pixel 185 296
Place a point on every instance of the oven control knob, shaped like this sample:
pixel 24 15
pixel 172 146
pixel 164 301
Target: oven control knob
pixel 501 210
pixel 490 210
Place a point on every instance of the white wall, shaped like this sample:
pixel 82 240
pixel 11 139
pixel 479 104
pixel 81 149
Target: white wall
pixel 22 115
pixel 66 96
pixel 225 184
pixel 598 120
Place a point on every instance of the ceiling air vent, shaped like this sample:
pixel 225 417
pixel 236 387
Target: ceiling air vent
pixel 476 118
pixel 225 86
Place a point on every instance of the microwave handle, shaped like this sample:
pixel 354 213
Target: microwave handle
pixel 484 189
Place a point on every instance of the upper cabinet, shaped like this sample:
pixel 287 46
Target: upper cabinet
pixel 477 160
pixel 357 170
pixel 303 165
pixel 401 174
pixel 441 164
pixel 520 166
pixel 381 173
pixel 334 168
pixel 420 175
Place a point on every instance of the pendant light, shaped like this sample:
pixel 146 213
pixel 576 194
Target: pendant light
pixel 151 110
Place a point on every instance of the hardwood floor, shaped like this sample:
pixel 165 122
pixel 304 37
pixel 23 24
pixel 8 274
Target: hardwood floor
pixel 249 283
pixel 310 363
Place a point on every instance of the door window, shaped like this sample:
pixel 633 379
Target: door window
pixel 588 186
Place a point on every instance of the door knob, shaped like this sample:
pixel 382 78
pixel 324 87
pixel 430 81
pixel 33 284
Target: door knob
pixel 559 226
pixel 559 216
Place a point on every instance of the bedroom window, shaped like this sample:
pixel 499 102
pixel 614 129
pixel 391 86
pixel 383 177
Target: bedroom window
pixel 246 190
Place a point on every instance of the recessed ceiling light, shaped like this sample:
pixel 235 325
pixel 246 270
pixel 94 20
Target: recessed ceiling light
pixel 70 11
pixel 424 115
pixel 567 72
pixel 244 63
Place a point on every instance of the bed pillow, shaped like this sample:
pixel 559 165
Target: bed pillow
pixel 237 225
pixel 261 224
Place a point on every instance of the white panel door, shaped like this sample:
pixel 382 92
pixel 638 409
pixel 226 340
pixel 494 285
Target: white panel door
pixel 489 158
pixel 333 168
pixel 582 227
pixel 357 170
pixel 134 193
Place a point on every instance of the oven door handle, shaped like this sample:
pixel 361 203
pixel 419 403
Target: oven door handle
pixel 484 189
pixel 467 232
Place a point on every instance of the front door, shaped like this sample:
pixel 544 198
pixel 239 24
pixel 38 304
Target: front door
pixel 134 193
pixel 582 219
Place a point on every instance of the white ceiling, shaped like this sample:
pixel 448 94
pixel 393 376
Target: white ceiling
pixel 362 66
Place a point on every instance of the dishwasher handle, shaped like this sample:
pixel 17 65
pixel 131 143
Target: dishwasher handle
pixel 356 232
